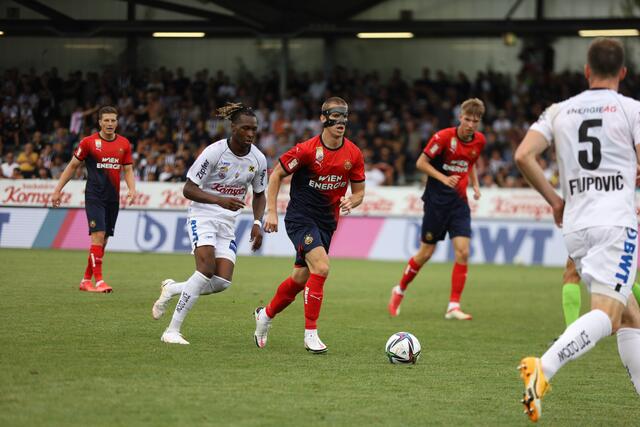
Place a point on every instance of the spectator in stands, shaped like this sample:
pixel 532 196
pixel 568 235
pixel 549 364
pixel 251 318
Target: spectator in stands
pixel 57 166
pixel 374 177
pixel 9 165
pixel 27 161
pixel 395 117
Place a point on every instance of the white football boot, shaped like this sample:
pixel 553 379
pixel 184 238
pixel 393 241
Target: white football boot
pixel 457 314
pixel 262 327
pixel 313 343
pixel 173 337
pixel 160 306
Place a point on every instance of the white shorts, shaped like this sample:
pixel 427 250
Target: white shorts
pixel 606 258
pixel 205 231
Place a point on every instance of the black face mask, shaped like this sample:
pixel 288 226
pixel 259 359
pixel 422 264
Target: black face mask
pixel 344 114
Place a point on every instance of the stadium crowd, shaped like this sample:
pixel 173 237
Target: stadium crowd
pixel 169 117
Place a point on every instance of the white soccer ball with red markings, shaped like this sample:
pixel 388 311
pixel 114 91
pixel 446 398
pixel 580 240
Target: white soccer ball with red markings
pixel 403 348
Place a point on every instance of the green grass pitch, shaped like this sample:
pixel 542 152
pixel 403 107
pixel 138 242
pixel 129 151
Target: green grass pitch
pixel 69 358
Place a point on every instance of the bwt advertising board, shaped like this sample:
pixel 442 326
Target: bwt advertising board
pixel 382 238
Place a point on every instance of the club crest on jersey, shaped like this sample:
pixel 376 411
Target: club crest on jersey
pixel 454 144
pixel 222 172
pixel 237 174
pixel 319 154
pixel 98 144
pixel 308 239
pixel 474 153
pixel 347 165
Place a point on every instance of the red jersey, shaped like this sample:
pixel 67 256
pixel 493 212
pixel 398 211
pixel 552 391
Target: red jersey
pixel 451 156
pixel 104 160
pixel 320 178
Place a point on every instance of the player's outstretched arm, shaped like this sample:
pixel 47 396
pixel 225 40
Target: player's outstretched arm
pixel 258 204
pixel 192 192
pixel 130 179
pixel 273 188
pixel 66 175
pixel 533 144
pixel 424 165
pixel 354 200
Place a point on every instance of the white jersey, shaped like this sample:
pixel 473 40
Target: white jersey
pixel 220 172
pixel 595 134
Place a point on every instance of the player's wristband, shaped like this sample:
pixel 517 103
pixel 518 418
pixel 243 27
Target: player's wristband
pixel 257 222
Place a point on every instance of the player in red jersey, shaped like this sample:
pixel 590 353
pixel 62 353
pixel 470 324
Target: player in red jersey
pixel 104 154
pixel 322 168
pixel 449 160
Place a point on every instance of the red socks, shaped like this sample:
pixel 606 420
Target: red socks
pixel 313 300
pixel 88 272
pixel 95 258
pixel 284 296
pixel 287 292
pixel 410 272
pixel 458 278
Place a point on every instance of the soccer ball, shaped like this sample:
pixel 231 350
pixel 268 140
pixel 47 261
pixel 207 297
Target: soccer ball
pixel 403 348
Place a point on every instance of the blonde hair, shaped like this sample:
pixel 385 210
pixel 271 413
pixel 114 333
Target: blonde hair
pixel 472 106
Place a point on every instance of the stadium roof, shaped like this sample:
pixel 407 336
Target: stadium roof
pixel 280 18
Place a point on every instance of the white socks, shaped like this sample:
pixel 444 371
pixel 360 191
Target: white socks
pixel 175 288
pixel 453 306
pixel 629 350
pixel 190 293
pixel 216 284
pixel 579 337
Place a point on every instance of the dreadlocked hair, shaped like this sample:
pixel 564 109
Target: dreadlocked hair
pixel 233 110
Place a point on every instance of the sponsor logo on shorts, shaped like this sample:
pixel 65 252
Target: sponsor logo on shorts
pixel 428 236
pixel 194 233
pixel 626 259
pixel 233 246
pixel 92 223
pixel 308 239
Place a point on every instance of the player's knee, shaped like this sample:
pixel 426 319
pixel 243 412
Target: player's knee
pixel 462 255
pixel 321 269
pixel 616 323
pixel 570 275
pixel 424 254
pixel 215 285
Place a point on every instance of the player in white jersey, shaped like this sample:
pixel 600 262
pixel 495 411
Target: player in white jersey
pixel 217 185
pixel 596 136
